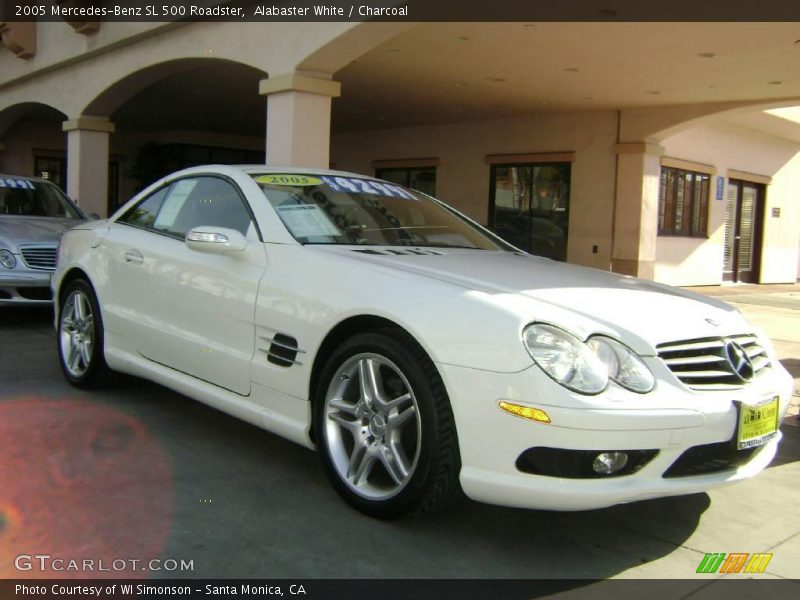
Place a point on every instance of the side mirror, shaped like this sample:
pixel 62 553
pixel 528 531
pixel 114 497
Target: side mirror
pixel 215 240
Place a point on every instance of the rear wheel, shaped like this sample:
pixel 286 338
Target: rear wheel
pixel 385 428
pixel 80 337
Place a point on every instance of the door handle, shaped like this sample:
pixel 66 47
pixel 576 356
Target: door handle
pixel 134 256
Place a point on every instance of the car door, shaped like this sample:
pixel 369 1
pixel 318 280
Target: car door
pixel 192 311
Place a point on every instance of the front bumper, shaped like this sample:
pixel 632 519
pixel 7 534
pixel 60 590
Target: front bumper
pixel 20 287
pixel 671 419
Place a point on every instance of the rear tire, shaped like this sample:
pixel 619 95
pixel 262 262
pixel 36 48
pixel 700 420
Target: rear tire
pixel 384 427
pixel 80 338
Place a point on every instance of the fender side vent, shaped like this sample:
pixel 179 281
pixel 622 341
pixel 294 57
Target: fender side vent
pixel 282 351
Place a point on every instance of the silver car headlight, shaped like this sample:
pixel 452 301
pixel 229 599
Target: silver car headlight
pixel 624 366
pixel 565 358
pixel 7 259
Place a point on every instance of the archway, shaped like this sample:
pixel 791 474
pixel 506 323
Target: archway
pixel 177 114
pixel 33 143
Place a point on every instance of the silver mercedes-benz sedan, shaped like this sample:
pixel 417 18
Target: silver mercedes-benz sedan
pixel 33 215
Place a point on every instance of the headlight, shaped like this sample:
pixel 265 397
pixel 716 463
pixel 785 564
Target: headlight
pixel 7 259
pixel 624 366
pixel 565 358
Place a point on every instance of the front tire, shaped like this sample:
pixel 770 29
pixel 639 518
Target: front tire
pixel 80 337
pixel 384 426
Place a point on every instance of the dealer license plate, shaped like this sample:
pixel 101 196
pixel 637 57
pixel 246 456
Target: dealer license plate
pixel 757 424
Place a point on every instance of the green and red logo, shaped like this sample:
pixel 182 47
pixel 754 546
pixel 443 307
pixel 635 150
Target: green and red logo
pixel 735 562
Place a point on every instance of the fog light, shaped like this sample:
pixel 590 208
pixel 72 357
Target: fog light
pixel 608 463
pixel 526 412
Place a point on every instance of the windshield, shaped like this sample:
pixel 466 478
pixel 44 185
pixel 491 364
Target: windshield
pixel 348 210
pixel 21 197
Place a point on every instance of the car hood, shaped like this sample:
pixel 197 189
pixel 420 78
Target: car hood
pixel 18 231
pixel 585 301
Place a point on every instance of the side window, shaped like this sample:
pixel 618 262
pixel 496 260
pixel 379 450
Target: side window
pixel 144 213
pixel 200 201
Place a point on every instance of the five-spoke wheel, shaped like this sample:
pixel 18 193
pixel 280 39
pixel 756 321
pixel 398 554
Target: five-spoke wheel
pixel 80 336
pixel 76 334
pixel 372 426
pixel 384 426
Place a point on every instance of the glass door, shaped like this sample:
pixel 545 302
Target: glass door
pixel 529 207
pixel 744 218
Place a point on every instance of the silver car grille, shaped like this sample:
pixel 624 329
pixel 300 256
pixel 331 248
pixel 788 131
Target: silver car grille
pixel 41 258
pixel 719 363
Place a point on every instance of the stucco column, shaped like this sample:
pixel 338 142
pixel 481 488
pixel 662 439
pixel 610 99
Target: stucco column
pixel 87 162
pixel 299 119
pixel 636 209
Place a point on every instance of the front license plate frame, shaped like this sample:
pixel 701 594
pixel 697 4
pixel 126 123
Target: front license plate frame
pixel 757 424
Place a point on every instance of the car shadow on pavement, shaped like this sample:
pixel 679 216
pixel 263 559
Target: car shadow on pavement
pixel 792 365
pixel 250 504
pixel 27 316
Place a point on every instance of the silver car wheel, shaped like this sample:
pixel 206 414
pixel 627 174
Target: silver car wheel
pixel 76 333
pixel 373 429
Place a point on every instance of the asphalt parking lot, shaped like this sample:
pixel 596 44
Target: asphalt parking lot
pixel 138 471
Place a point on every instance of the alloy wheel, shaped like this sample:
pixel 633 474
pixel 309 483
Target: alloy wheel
pixel 372 426
pixel 76 334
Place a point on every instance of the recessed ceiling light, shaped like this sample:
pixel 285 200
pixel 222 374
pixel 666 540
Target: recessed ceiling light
pixel 462 38
pixel 572 69
pixel 775 82
pixel 588 98
pixel 459 84
pixel 544 102
pixel 706 54
pixel 497 79
pixel 394 50
pixel 608 12
pixel 532 26
pixel 653 92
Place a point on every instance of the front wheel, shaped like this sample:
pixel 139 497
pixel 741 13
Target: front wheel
pixel 385 428
pixel 80 337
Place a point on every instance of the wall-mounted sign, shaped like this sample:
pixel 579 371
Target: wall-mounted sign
pixel 720 186
pixel 776 211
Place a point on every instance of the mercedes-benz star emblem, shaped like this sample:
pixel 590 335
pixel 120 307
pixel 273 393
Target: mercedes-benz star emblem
pixel 740 363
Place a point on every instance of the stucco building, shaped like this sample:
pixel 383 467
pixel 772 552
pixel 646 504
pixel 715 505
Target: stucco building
pixel 664 150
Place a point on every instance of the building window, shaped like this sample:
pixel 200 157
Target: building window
pixel 421 179
pixel 153 161
pixel 529 206
pixel 683 203
pixel 52 167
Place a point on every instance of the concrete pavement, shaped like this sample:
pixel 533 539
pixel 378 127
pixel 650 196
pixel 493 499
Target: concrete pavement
pixel 139 471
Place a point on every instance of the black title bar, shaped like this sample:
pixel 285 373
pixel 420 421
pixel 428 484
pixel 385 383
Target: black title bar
pixel 398 10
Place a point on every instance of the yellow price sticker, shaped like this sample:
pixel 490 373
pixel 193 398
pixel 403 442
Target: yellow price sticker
pixel 758 424
pixel 288 179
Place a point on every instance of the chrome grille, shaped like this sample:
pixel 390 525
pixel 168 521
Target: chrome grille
pixel 703 364
pixel 42 258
